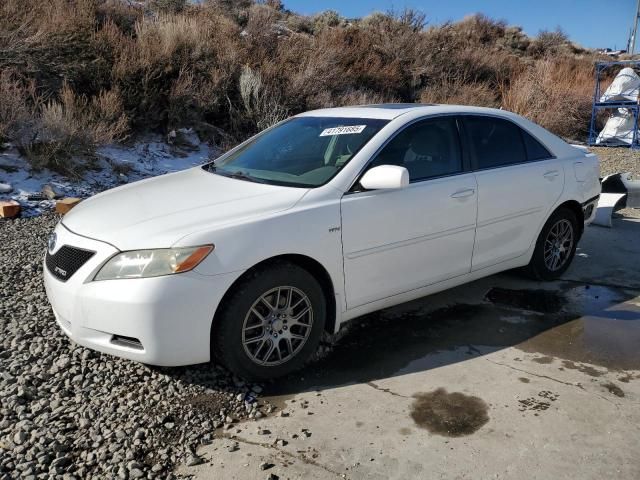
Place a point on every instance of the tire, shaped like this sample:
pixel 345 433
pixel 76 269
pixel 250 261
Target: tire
pixel 249 323
pixel 558 258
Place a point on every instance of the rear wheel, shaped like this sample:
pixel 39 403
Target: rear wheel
pixel 555 247
pixel 271 324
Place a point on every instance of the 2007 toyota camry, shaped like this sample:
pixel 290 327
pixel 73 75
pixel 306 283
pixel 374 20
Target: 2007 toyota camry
pixel 324 217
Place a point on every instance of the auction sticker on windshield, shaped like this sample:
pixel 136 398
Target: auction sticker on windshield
pixel 345 130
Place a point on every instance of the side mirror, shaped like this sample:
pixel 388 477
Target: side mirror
pixel 384 177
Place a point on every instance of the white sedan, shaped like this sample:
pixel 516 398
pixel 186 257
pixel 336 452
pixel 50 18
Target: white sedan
pixel 324 217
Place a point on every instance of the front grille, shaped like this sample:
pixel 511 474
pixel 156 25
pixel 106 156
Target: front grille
pixel 66 261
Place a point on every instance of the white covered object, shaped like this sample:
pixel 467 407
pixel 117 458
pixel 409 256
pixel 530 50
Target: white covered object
pixel 626 86
pixel 619 128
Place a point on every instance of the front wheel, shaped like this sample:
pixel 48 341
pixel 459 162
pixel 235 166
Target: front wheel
pixel 555 247
pixel 271 324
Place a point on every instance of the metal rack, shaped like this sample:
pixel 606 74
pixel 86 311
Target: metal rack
pixel 598 105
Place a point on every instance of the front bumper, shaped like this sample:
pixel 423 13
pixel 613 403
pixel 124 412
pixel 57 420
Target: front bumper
pixel 159 321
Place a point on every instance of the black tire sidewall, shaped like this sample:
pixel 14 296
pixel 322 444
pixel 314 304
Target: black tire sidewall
pixel 537 266
pixel 227 332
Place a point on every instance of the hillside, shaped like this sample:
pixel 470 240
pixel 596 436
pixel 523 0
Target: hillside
pixel 76 75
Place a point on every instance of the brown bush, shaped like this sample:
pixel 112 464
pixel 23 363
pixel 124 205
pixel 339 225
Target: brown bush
pixel 17 103
pixel 556 93
pixel 74 126
pixel 458 92
pixel 238 66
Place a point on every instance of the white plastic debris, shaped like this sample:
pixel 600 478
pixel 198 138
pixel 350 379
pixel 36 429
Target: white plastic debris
pixel 625 87
pixel 5 188
pixel 606 206
pixel 619 128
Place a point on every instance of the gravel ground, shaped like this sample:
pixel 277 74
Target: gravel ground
pixel 618 160
pixel 68 412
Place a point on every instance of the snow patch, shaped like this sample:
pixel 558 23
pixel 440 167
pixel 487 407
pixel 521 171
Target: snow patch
pixel 115 165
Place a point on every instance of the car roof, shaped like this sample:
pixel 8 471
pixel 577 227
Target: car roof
pixel 389 111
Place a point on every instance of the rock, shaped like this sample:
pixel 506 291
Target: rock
pixel 273 476
pixel 50 192
pixel 266 465
pixel 20 437
pixel 5 188
pixel 185 138
pixel 136 473
pixel 193 460
pixel 67 410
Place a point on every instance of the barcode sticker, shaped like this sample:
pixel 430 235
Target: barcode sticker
pixel 346 130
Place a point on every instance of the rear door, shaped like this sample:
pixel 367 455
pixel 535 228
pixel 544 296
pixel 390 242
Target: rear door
pixel 519 181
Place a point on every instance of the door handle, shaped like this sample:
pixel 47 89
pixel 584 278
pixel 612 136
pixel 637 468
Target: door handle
pixel 463 193
pixel 551 174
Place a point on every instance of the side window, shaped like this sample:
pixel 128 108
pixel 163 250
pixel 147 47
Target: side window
pixel 427 149
pixel 535 150
pixel 496 142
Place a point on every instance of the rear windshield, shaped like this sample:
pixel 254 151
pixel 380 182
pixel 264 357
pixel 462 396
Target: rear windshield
pixel 300 152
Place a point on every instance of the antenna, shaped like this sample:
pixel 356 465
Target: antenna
pixel 631 45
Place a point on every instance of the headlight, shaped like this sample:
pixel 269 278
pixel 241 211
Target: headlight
pixel 153 263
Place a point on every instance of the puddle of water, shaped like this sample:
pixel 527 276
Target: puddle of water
pixel 543 301
pixel 593 325
pixel 600 326
pixel 449 414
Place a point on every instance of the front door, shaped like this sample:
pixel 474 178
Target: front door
pixel 395 241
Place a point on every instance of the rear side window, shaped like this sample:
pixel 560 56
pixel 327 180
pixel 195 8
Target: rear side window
pixel 535 150
pixel 496 142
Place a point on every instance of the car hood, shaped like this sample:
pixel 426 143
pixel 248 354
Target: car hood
pixel 157 212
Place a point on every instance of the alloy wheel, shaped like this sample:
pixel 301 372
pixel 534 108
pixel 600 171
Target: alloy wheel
pixel 558 245
pixel 277 326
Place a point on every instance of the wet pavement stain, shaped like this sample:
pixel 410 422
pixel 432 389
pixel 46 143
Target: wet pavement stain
pixel 626 378
pixel 449 414
pixel 615 389
pixel 543 301
pixel 586 369
pixel 598 326
pixel 543 360
pixel 595 329
pixel 535 404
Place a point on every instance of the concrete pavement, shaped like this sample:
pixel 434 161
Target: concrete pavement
pixel 501 378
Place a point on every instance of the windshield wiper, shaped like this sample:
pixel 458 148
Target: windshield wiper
pixel 238 175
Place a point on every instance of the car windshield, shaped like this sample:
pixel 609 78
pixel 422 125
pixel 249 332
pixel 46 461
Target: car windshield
pixel 300 152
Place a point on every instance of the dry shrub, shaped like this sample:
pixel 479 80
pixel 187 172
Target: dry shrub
pixel 74 126
pixel 555 93
pixel 17 103
pixel 175 60
pixel 231 67
pixel 458 92
pixel 167 6
pixel 261 106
